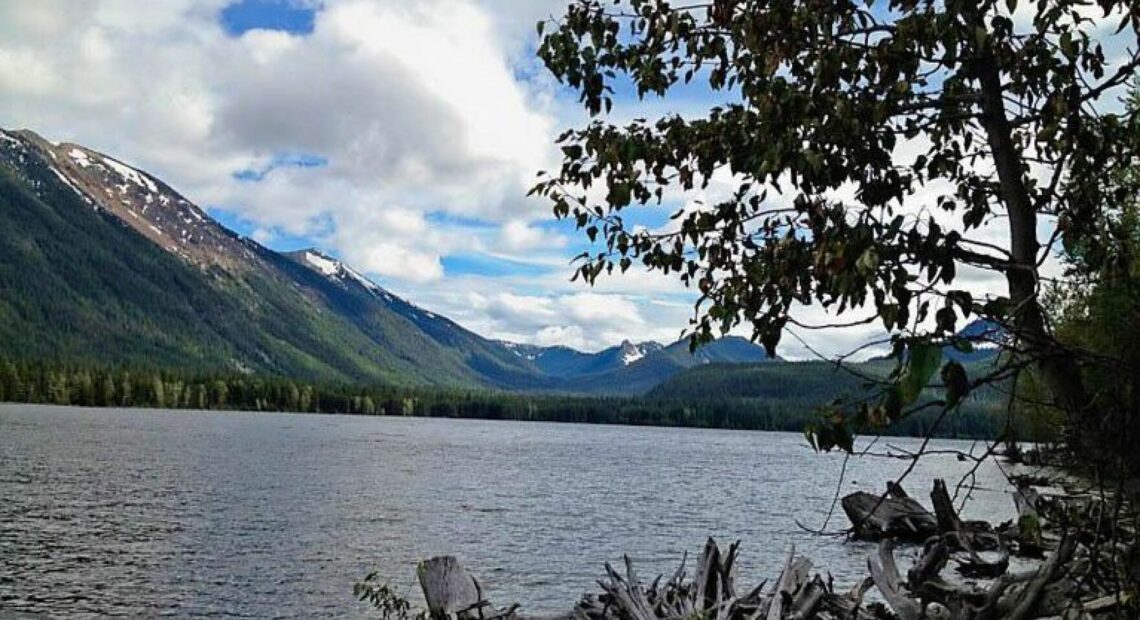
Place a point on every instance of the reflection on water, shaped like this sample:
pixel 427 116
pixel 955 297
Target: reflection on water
pixel 136 512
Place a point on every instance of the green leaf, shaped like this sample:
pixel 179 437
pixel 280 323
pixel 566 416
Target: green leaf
pixel 868 262
pixel 997 307
pixel 923 361
pixel 619 194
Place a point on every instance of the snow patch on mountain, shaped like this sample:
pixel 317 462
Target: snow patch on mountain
pixel 327 266
pixel 130 174
pixel 332 268
pixel 630 353
pixel 360 279
pixel 80 157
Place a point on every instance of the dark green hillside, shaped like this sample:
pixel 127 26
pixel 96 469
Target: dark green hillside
pixel 78 285
pixel 424 341
pixel 793 389
pixel 786 381
pixel 74 283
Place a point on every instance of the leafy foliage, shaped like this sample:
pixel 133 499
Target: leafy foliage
pixel 391 604
pixel 818 102
pixel 1100 315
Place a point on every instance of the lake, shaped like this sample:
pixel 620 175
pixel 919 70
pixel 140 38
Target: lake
pixel 141 513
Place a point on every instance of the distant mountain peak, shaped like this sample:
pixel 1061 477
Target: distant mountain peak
pixel 631 352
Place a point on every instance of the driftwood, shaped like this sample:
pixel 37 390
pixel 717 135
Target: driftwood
pixel 885 574
pixel 944 512
pixel 1060 588
pixel 448 589
pixel 1050 591
pixel 966 541
pixel 893 515
pixel 712 594
pixel 451 592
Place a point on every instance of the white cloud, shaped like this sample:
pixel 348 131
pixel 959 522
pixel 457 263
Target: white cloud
pixel 520 237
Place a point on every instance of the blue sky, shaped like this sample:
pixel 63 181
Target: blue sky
pixel 283 15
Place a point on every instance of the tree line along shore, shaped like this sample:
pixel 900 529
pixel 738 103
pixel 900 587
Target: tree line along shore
pixel 86 386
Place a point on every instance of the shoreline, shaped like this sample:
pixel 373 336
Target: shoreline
pixel 1046 586
pixel 616 424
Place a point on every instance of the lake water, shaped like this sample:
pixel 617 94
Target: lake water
pixel 142 513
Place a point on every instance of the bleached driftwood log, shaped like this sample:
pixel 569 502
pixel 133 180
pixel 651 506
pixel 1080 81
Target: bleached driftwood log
pixel 967 540
pixel 712 594
pixel 448 588
pixel 451 592
pixel 1049 592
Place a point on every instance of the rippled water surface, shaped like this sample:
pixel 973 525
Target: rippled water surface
pixel 140 513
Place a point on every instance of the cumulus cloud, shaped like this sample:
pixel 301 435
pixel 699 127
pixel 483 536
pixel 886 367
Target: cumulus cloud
pixel 519 237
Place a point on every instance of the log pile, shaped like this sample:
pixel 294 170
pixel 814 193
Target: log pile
pixel 712 594
pixel 1062 587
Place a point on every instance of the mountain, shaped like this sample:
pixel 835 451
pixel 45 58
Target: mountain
pixel 103 263
pixel 660 366
pixel 633 369
pixel 561 361
pixel 775 382
pixel 795 381
pixel 986 338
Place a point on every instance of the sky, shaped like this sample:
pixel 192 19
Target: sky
pixel 400 137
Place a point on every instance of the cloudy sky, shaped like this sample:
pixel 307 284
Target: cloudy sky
pixel 398 136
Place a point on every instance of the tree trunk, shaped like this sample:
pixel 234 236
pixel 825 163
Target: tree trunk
pixel 1056 365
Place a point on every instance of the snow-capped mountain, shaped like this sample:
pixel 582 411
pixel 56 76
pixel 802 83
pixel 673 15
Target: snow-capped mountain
pixel 567 362
pixel 147 277
pixel 634 367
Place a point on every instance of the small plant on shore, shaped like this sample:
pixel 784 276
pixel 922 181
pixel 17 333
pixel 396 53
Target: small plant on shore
pixel 384 598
